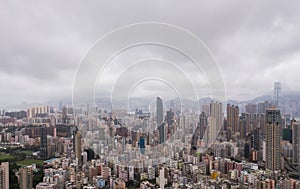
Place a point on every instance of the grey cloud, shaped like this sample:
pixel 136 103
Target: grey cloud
pixel 42 42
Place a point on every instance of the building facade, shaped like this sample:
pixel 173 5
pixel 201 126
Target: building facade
pixel 296 142
pixel 273 135
pixel 4 175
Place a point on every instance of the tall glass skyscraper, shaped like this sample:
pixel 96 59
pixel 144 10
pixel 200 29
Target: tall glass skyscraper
pixel 160 120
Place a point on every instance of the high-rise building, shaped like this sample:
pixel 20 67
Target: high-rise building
pixel 131 172
pixel 264 156
pixel 202 124
pixel 160 120
pixel 162 180
pixel 60 105
pixel 38 111
pixel 201 128
pixel 170 117
pixel 64 115
pixel 63 130
pixel 205 109
pixel 256 139
pixel 273 130
pixel 159 111
pixel 262 124
pixel 296 142
pixel 277 93
pixel 26 177
pixel 262 106
pixel 254 124
pixel 244 124
pixel 162 133
pixel 251 108
pixel 216 112
pixel 142 145
pixel 43 147
pixel 77 145
pixel 211 133
pixel 170 121
pixel 4 175
pixel 247 150
pixel 215 122
pixel 232 118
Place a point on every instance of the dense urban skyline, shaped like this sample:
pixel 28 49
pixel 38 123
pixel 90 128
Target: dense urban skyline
pixel 147 95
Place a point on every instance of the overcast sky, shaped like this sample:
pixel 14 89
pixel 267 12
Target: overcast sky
pixel 42 43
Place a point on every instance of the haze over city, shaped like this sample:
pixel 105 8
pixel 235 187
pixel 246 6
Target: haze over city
pixel 149 95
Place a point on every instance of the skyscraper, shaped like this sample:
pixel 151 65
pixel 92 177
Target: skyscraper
pixel 216 112
pixel 244 125
pixel 170 121
pixel 251 108
pixel 159 111
pixel 205 109
pixel 277 93
pixel 202 124
pixel 262 124
pixel 43 147
pixel 162 180
pixel 170 117
pixel 254 122
pixel 142 145
pixel 162 133
pixel 4 175
pixel 233 117
pixel 26 177
pixel 200 130
pixel 215 121
pixel 262 106
pixel 77 145
pixel 256 139
pixel 64 115
pixel 273 130
pixel 296 142
pixel 160 120
pixel 211 133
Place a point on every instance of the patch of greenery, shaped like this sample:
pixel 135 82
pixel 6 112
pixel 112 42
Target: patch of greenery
pixel 38 177
pixel 25 162
pixel 6 157
pixel 13 180
pixel 26 152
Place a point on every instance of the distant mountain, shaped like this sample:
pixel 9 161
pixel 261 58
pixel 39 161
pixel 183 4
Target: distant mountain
pixel 289 97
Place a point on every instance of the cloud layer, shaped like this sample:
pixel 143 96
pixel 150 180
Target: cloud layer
pixel 42 43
